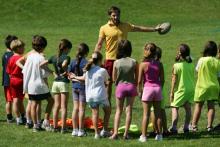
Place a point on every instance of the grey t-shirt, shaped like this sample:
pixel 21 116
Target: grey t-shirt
pixel 126 68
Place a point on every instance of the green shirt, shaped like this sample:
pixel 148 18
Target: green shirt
pixel 207 86
pixel 58 66
pixel 126 68
pixel 185 83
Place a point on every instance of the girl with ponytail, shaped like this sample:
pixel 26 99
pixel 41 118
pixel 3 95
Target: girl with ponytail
pixel 182 87
pixel 60 85
pixel 96 79
pixel 78 90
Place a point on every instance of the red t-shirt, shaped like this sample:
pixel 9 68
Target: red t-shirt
pixel 12 69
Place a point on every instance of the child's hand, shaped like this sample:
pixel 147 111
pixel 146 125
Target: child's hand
pixel 71 75
pixel 55 75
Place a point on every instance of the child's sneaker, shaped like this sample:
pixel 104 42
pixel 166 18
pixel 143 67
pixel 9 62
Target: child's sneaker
pixel 46 125
pixel 19 121
pixel 81 133
pixel 193 128
pixel 55 130
pixel 104 133
pixel 142 138
pixel 29 125
pixel 9 121
pixel 63 130
pixel 209 129
pixel 37 129
pixel 75 132
pixel 159 137
pixel 97 136
pixel 173 131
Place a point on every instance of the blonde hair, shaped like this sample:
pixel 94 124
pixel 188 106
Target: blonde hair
pixel 16 44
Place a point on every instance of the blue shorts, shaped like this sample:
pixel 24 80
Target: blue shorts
pixel 103 103
pixel 79 95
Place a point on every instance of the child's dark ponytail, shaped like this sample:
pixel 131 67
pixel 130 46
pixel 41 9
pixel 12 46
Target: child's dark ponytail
pixel 184 52
pixel 96 57
pixel 83 50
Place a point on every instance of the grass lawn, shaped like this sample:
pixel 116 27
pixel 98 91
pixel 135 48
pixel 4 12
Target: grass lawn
pixel 193 22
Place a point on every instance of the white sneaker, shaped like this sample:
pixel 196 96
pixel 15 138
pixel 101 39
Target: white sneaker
pixel 159 137
pixel 81 133
pixel 75 132
pixel 97 136
pixel 46 125
pixel 142 138
pixel 104 133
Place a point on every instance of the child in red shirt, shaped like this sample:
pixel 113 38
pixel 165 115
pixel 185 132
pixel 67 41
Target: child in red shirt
pixel 16 81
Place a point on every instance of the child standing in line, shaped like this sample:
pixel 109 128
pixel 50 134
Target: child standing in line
pixel 34 84
pixel 182 87
pixel 125 76
pixel 78 90
pixel 5 77
pixel 158 56
pixel 16 81
pixel 60 87
pixel 151 74
pixel 207 86
pixel 96 79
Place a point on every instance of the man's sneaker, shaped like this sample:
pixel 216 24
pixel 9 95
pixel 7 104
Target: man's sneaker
pixel 159 137
pixel 142 138
pixel 97 136
pixel 104 133
pixel 29 125
pixel 81 133
pixel 46 125
pixel 63 130
pixel 20 122
pixel 75 132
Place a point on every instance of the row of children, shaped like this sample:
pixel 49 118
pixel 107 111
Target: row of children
pixel 28 74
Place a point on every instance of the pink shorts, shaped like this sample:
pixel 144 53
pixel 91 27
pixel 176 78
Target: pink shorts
pixel 152 94
pixel 125 90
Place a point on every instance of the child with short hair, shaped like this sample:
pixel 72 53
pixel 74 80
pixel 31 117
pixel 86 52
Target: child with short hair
pixel 151 74
pixel 60 88
pixel 96 79
pixel 34 84
pixel 5 77
pixel 16 81
pixel 207 85
pixel 125 76
pixel 182 87
pixel 78 90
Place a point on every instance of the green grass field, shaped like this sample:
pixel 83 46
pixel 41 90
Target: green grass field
pixel 193 22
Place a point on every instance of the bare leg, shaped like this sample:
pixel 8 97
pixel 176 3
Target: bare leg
pixel 82 106
pixel 16 109
pixel 187 107
pixel 164 120
pixel 197 113
pixel 146 115
pixel 211 113
pixel 119 110
pixel 64 102
pixel 28 111
pixel 75 114
pixel 129 107
pixel 56 109
pixel 107 113
pixel 95 116
pixel 175 116
pixel 50 102
pixel 157 112
pixel 34 111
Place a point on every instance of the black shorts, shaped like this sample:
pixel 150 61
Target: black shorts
pixel 39 97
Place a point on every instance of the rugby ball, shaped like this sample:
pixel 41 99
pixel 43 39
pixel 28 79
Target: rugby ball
pixel 164 28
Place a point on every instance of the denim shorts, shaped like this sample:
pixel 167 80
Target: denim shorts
pixel 79 95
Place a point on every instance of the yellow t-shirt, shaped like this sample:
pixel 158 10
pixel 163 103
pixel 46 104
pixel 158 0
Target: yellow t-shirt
pixel 112 34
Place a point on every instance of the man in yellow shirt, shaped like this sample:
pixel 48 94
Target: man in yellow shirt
pixel 113 31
